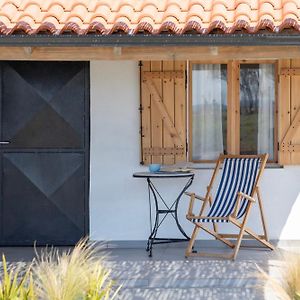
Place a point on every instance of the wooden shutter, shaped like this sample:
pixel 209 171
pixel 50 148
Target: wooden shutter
pixel 289 112
pixel 163 112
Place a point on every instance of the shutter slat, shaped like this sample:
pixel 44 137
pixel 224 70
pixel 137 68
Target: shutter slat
pixel 180 108
pixel 163 151
pixel 145 117
pixel 295 111
pixel 290 71
pixel 284 103
pixel 156 120
pixel 164 74
pixel 168 100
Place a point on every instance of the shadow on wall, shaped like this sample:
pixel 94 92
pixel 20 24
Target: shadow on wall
pixel 280 189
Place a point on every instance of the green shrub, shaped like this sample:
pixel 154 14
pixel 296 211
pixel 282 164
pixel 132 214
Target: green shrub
pixel 14 285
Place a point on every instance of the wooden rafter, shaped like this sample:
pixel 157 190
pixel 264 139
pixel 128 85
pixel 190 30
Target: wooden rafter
pixel 172 53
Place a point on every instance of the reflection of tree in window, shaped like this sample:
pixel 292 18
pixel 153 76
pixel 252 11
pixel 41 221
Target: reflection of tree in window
pixel 249 83
pixel 257 96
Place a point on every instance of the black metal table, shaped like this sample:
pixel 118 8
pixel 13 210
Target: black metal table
pixel 167 209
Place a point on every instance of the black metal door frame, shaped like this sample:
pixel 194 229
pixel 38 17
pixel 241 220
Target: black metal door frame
pixel 86 150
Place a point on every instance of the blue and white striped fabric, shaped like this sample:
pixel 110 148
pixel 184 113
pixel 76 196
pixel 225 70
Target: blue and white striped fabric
pixel 238 175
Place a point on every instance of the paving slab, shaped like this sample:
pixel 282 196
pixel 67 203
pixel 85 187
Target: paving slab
pixel 169 275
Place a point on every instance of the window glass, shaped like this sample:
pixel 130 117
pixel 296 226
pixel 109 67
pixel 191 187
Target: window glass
pixel 257 101
pixel 209 111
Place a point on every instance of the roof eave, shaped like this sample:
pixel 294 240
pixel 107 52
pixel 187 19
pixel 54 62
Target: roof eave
pixel 142 40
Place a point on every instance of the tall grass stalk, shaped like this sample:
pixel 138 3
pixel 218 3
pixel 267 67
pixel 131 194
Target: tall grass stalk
pixel 287 286
pixel 74 275
pixel 16 283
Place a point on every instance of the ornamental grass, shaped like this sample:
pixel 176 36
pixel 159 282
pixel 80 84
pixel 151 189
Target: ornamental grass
pixel 77 274
pixel 286 286
pixel 16 283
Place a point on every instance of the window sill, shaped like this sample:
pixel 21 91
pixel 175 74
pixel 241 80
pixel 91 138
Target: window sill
pixel 211 166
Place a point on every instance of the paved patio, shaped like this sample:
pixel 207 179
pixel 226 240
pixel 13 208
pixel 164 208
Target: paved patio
pixel 168 275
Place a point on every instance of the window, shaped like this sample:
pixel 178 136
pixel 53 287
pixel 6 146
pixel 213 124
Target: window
pixel 238 96
pixel 194 111
pixel 209 111
pixel 257 103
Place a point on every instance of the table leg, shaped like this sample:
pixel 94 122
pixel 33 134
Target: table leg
pixel 156 225
pixel 188 184
pixel 173 209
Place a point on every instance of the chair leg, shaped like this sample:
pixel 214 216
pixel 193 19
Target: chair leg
pixel 215 226
pixel 264 241
pixel 262 215
pixel 188 250
pixel 238 243
pixel 255 236
pixel 241 233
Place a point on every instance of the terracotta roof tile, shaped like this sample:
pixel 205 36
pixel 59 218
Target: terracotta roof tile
pixel 55 11
pixel 150 16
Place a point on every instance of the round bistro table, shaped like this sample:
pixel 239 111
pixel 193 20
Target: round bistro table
pixel 166 209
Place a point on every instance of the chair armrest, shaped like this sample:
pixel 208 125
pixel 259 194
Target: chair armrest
pixel 238 200
pixel 243 195
pixel 196 196
pixel 193 196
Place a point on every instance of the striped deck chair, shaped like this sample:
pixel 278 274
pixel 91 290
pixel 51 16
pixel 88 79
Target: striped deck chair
pixel 232 203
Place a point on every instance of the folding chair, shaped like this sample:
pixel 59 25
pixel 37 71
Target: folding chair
pixel 233 201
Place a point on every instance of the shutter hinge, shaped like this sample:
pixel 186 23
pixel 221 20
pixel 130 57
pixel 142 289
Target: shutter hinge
pixel 186 147
pixel 141 131
pixel 185 79
pixel 140 108
pixel 140 63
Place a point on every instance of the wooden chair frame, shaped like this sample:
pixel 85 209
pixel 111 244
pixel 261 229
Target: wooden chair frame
pixel 244 232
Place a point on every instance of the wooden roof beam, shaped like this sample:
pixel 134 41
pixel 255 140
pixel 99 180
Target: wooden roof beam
pixel 150 53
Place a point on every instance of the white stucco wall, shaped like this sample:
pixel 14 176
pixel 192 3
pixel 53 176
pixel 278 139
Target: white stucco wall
pixel 118 202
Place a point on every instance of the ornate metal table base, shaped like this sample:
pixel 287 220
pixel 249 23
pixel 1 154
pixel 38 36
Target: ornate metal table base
pixel 161 214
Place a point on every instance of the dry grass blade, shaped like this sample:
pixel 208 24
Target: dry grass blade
pixel 274 285
pixel 72 275
pixel 287 286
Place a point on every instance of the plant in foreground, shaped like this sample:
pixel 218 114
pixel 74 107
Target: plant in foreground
pixel 287 286
pixel 16 283
pixel 73 275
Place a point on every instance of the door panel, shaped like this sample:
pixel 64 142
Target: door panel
pixel 44 109
pixel 42 198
